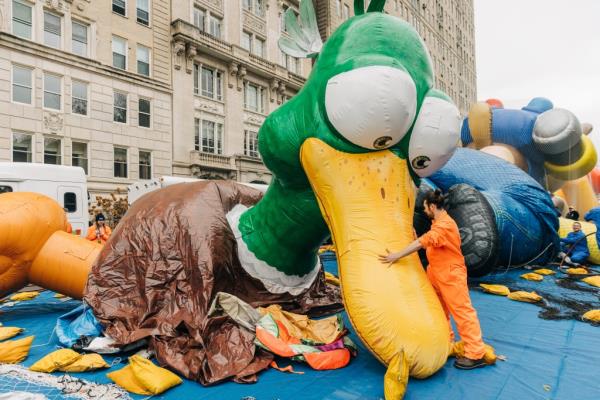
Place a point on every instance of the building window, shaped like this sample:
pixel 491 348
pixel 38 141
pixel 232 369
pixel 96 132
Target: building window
pixel 79 155
pixel 255 6
pixel 79 98
pixel 143 60
pixel 144 113
pixel 145 165
pixel 79 39
pixel 119 50
pixel 247 41
pixel 290 63
pixel 143 12
pixel 259 47
pixel 22 17
pixel 199 17
pixel 253 97
pixel 120 156
pixel 346 14
pixel 209 136
pixel 120 7
pixel 52 151
pixel 22 85
pixel 208 82
pixel 338 8
pixel 215 26
pixel 52 30
pixel 52 91
pixel 251 144
pixel 22 147
pixel 120 107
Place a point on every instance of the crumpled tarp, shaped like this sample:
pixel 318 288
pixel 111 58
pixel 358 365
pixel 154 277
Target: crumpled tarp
pixel 157 276
pixel 76 323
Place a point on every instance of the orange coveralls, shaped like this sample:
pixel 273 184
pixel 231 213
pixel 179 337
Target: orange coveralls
pixel 105 233
pixel 448 275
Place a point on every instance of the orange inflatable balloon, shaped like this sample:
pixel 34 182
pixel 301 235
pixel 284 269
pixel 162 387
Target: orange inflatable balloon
pixel 35 248
pixel 595 179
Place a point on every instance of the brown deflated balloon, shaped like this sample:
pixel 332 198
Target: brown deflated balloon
pixel 159 272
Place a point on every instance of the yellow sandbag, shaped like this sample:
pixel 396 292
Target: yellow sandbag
pixel 6 332
pixel 87 362
pixel 15 351
pixel 59 295
pixel 55 360
pixel 458 350
pixel 527 297
pixel 592 280
pixel 566 226
pixel 500 290
pixel 152 377
pixel 592 315
pixel 24 296
pixel 127 380
pixel 544 271
pixel 577 271
pixel 532 276
pixel 331 278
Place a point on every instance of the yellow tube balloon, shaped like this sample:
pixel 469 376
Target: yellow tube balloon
pixel 368 200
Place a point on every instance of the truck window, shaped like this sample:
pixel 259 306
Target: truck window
pixel 70 202
pixel 5 189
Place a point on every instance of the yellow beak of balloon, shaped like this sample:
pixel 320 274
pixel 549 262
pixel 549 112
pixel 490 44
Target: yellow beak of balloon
pixel 367 201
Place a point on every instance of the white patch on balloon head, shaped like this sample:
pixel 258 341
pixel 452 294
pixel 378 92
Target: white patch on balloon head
pixel 434 137
pixel 373 107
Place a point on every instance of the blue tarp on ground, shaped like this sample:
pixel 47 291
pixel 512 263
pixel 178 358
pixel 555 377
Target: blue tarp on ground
pixel 545 359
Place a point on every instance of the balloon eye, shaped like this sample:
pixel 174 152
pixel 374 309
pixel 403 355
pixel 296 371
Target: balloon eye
pixel 382 142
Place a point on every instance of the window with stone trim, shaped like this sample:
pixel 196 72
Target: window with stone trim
pixel 120 7
pixel 22 19
pixel 208 82
pixel 52 30
pixel 52 91
pixel 22 147
pixel 119 51
pixel 144 113
pixel 215 25
pixel 145 165
pixel 143 12
pixel 22 84
pixel 251 143
pixel 120 107
pixel 254 97
pixel 143 60
pixel 79 39
pixel 199 18
pixel 79 97
pixel 52 151
pixel 209 136
pixel 120 162
pixel 79 155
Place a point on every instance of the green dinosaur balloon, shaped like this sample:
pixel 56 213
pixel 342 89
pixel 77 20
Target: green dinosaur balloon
pixel 340 152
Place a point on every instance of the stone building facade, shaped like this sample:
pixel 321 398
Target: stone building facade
pixel 136 89
pixel 87 83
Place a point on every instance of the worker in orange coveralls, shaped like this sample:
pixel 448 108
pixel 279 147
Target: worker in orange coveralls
pixel 99 232
pixel 448 276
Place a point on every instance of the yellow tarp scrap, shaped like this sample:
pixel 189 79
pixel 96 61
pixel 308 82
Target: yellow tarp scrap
pixel 500 290
pixel 527 297
pixel 592 280
pixel 6 332
pixel 577 271
pixel 15 351
pixel 324 330
pixel 532 276
pixel 24 296
pixel 331 278
pixel 592 315
pixel 55 360
pixel 143 377
pixel 544 271
pixel 87 362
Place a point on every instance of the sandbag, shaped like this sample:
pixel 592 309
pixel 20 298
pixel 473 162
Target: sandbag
pixel 544 271
pixel 6 332
pixel 15 351
pixel 527 297
pixel 126 379
pixel 500 290
pixel 55 360
pixel 592 315
pixel 24 296
pixel 87 362
pixel 592 280
pixel 532 276
pixel 143 377
pixel 577 271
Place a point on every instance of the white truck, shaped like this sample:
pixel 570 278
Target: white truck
pixel 138 189
pixel 66 185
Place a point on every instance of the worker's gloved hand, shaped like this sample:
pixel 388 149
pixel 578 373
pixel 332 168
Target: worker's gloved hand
pixel 27 220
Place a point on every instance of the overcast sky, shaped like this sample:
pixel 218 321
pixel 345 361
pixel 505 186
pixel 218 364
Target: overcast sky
pixel 548 48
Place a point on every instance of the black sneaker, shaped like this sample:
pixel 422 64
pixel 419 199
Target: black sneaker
pixel 467 363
